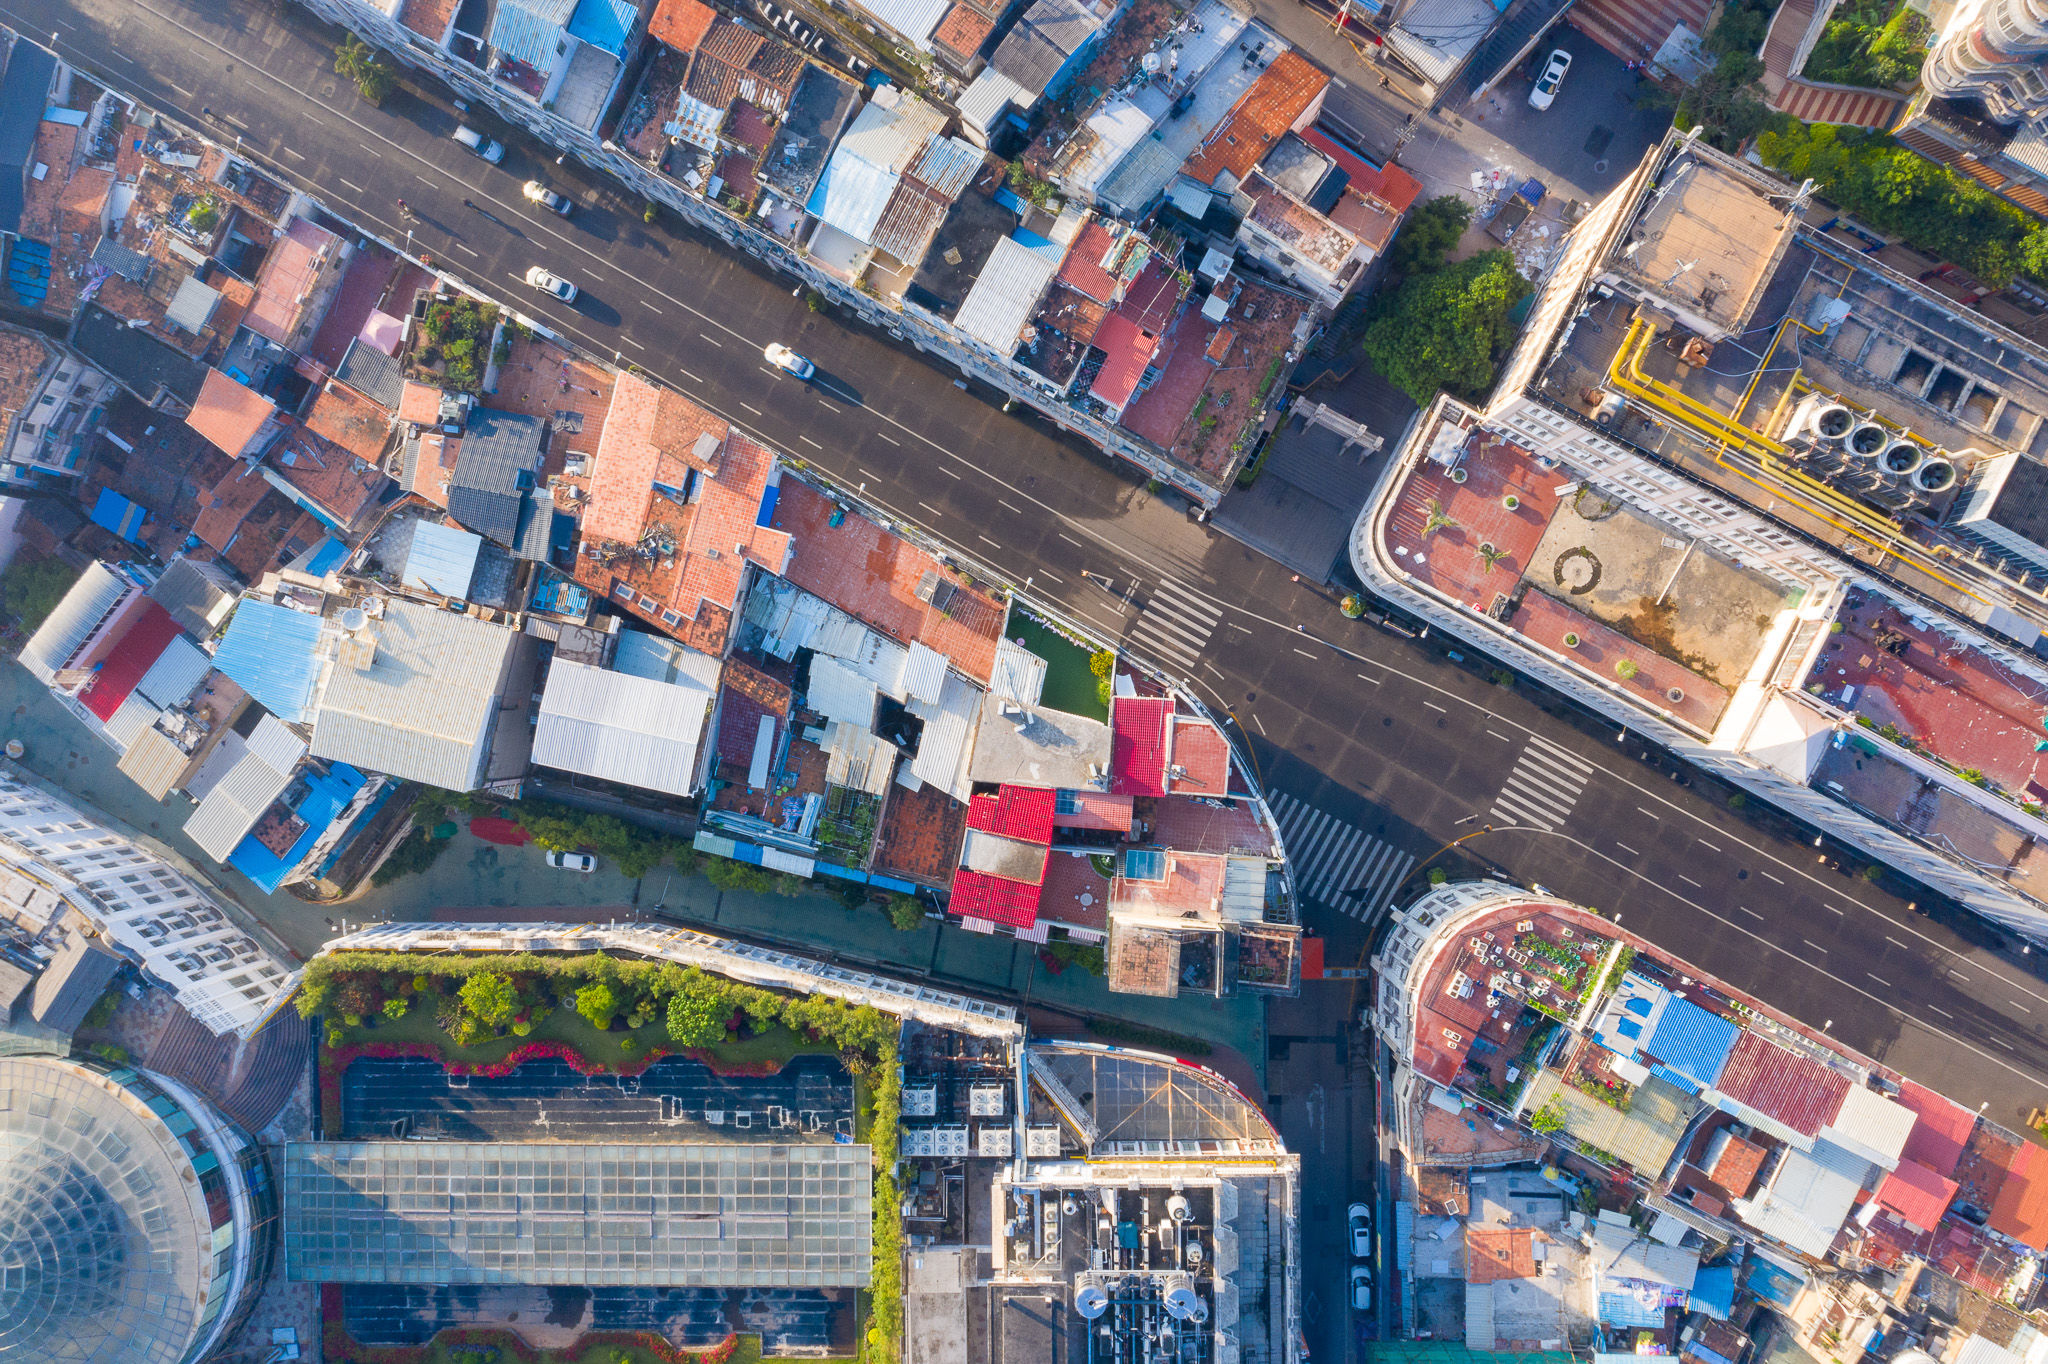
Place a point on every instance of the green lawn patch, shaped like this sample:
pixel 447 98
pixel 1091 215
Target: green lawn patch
pixel 1069 685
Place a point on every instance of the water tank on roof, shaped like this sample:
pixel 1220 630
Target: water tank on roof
pixel 354 619
pixel 1090 1301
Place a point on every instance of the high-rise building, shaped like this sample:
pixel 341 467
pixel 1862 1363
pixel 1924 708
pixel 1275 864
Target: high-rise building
pixel 1993 51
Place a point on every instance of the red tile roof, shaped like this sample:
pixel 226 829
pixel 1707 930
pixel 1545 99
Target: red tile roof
pixel 1735 1169
pixel 1941 1132
pixel 978 895
pixel 284 284
pixel 681 24
pixel 1129 349
pixel 125 664
pixel 1495 1253
pixel 963 30
pixel 1021 812
pixel 2021 1211
pixel 1151 299
pixel 1389 184
pixel 1203 755
pixel 355 423
pixel 1096 810
pixel 1275 103
pixel 1801 1094
pixel 1137 745
pixel 1068 877
pixel 1193 885
pixel 1082 270
pixel 430 18
pixel 229 414
pixel 419 403
pixel 1916 1194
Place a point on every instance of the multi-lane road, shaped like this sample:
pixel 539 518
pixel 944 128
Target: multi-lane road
pixel 1378 749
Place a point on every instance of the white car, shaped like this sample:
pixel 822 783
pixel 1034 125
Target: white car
pixel 1360 1217
pixel 572 861
pixel 540 194
pixel 1545 89
pixel 548 282
pixel 788 361
pixel 1361 1288
pixel 490 149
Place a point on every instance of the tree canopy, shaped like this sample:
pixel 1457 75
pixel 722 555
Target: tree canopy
pixel 1444 330
pixel 490 998
pixel 31 588
pixel 1427 237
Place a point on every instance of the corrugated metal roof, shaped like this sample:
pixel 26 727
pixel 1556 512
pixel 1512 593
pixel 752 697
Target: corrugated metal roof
pixel 271 652
pixel 620 727
pixel 84 606
pixel 942 751
pixel 696 122
pixel 914 19
pixel 192 306
pixel 1019 674
pixel 1691 1043
pixel 1805 1204
pixel 837 692
pixel 1872 1126
pixel 858 759
pixel 232 808
pixel 989 95
pixel 1004 295
pixel 851 195
pixel 1791 1095
pixel 530 30
pixel 442 559
pixel 276 743
pixel 176 674
pixel 154 762
pixel 423 709
pixel 924 673
pixel 136 714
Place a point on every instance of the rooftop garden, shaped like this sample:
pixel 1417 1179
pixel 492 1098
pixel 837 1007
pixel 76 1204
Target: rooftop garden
pixel 454 344
pixel 488 1345
pixel 487 1014
pixel 1870 43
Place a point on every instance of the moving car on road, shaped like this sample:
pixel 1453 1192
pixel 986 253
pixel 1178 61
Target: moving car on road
pixel 1360 1217
pixel 1545 89
pixel 572 861
pixel 547 198
pixel 788 361
pixel 488 148
pixel 548 282
pixel 1361 1288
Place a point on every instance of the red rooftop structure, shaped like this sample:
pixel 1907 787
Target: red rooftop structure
pixel 1137 745
pixel 127 662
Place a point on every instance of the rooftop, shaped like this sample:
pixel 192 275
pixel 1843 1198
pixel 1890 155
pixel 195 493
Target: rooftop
pixel 1712 240
pixel 1277 100
pixel 617 727
pixel 231 415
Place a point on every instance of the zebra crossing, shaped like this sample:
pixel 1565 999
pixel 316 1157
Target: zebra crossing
pixel 1543 787
pixel 1175 626
pixel 1338 864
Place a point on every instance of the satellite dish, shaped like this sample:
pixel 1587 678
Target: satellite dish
pixel 1090 1301
pixel 354 619
pixel 1182 1302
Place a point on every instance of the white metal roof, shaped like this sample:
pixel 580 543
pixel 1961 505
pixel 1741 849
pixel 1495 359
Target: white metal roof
pixel 1004 294
pixel 622 728
pixel 442 559
pixel 839 693
pixel 1018 675
pixel 274 742
pixel 137 713
pixel 423 709
pixel 176 673
pixel 192 306
pixel 988 96
pixel 942 752
pixel 81 610
pixel 924 673
pixel 234 805
pixel 914 19
pixel 1805 1204
pixel 154 762
pixel 857 758
pixel 1871 1126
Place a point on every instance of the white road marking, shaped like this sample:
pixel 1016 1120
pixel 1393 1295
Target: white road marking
pixel 1750 912
pixel 712 339
pixel 631 342
pixel 1070 539
pixel 1431 704
pixel 288 151
pixel 1626 848
pixel 1651 813
pixel 930 508
pixel 1361 677
pixel 1768 877
pixel 691 377
pixel 1047 573
pixel 1714 847
pixel 1879 979
pixel 352 185
pixel 986 541
pixel 1935 1008
pixel 1336 864
pixel 365 146
pixel 1895 942
pixel 887 437
pixel 949 473
pixel 1175 625
pixel 1815 946
pixel 465 246
pixel 1542 787
pixel 808 441
pixel 1007 506
pixel 649 306
pixel 1304 653
pixel 1689 881
pixel 751 408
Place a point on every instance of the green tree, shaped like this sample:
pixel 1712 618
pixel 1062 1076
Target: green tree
pixel 1428 236
pixel 697 1017
pixel 1549 1118
pixel 31 588
pixel 359 62
pixel 597 1002
pixel 1444 330
pixel 490 998
pixel 905 913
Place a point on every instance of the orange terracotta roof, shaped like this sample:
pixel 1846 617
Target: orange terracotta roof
pixel 419 403
pixel 128 159
pixel 963 30
pixel 2021 1211
pixel 1193 884
pixel 724 534
pixel 1496 1253
pixel 1283 92
pixel 650 435
pixel 681 24
pixel 229 414
pixel 1204 757
pixel 327 474
pixel 355 423
pixel 1083 271
pixel 874 574
pixel 430 18
pixel 222 508
pixel 1735 1170
pixel 284 286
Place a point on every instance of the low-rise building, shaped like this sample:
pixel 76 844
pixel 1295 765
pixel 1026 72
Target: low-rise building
pixel 50 401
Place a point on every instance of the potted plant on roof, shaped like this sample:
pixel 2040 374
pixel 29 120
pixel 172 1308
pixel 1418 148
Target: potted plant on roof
pixel 1511 502
pixel 1351 606
pixel 1436 518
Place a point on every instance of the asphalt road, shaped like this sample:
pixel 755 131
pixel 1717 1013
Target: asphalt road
pixel 1364 735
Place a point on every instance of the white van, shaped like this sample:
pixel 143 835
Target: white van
pixel 493 152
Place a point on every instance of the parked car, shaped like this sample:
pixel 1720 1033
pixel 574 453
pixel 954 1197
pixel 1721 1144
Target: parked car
pixel 548 282
pixel 788 361
pixel 488 148
pixel 1360 1217
pixel 1545 89
pixel 547 198
pixel 572 861
pixel 1361 1288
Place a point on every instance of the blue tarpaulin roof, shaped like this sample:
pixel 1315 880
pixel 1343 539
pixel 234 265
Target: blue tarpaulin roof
pixel 327 795
pixel 1690 1044
pixel 1713 1292
pixel 328 557
pixel 605 23
pixel 119 515
pixel 268 652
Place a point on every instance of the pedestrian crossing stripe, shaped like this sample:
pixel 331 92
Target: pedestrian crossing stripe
pixel 1543 787
pixel 1175 625
pixel 1337 864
